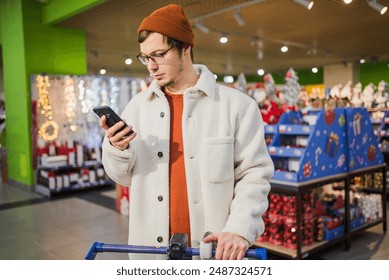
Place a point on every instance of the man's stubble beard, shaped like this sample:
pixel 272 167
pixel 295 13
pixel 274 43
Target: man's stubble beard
pixel 172 81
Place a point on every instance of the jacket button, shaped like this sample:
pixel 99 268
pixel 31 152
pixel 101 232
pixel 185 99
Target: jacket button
pixel 162 114
pixel 160 154
pixel 160 198
pixel 159 239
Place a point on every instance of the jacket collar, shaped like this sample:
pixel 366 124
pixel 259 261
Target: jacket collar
pixel 205 84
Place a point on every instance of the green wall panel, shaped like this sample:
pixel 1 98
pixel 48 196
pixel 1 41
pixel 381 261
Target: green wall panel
pixel 16 91
pixel 57 10
pixel 50 49
pixel 374 73
pixel 29 47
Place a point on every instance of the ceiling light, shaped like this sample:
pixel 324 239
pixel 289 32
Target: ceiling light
pixel 215 76
pixel 228 79
pixel 378 7
pixel 128 61
pixel 201 26
pixel 223 39
pixel 284 49
pixel 238 18
pixel 305 3
pixel 347 1
pixel 103 71
pixel 261 72
pixel 314 70
pixel 362 60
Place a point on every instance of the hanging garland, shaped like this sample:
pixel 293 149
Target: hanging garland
pixel 71 102
pixel 48 131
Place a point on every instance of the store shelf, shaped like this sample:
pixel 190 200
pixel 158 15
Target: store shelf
pixel 291 253
pixel 349 227
pixel 304 152
pixel 74 188
pixel 65 179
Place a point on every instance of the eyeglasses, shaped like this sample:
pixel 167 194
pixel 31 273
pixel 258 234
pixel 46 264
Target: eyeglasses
pixel 158 58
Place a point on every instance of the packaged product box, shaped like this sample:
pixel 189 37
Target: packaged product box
pixel 122 199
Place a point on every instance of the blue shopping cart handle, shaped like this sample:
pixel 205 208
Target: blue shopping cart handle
pixel 97 247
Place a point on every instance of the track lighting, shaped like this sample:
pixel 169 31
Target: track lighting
pixel 238 18
pixel 377 6
pixel 305 3
pixel 260 54
pixel 201 26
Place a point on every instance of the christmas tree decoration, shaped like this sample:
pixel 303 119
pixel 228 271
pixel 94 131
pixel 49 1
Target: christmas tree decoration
pixel 291 89
pixel 381 97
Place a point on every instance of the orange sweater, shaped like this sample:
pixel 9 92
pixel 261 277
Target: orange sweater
pixel 179 210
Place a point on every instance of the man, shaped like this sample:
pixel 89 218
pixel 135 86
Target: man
pixel 197 161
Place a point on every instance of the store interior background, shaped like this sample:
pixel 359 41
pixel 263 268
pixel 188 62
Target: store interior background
pixel 78 39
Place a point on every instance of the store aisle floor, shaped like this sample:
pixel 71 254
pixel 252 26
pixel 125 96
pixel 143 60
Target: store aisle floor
pixel 35 228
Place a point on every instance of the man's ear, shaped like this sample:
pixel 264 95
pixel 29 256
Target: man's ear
pixel 187 49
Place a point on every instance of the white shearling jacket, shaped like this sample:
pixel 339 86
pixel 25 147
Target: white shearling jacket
pixel 227 164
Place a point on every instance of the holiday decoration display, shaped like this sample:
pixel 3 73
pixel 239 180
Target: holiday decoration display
pixel 380 120
pixel 303 152
pixel 270 87
pixel 291 89
pixel 48 130
pixel 363 150
pixel 368 95
pixel 67 144
pixel 381 98
pixel 356 99
pixel 241 83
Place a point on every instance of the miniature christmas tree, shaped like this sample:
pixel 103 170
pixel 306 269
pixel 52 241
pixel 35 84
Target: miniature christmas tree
pixel 270 88
pixel 291 89
pixel 241 83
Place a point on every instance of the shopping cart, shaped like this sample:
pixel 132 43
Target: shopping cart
pixel 176 250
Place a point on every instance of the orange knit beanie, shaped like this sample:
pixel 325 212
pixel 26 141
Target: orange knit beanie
pixel 171 22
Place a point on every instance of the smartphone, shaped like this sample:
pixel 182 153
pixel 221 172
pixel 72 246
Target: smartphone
pixel 112 117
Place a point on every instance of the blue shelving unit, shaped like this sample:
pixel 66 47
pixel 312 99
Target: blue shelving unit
pixel 302 152
pixel 363 149
pixel 340 141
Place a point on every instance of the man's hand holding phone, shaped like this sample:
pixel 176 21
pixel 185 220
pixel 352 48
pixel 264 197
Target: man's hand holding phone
pixel 117 131
pixel 117 138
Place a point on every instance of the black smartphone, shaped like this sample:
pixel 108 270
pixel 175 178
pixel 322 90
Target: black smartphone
pixel 112 117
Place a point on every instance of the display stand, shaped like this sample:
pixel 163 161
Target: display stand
pixel 298 190
pixel 338 148
pixel 270 131
pixel 343 233
pixel 303 152
pixel 380 121
pixel 66 179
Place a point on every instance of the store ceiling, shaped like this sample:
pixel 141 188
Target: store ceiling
pixel 331 32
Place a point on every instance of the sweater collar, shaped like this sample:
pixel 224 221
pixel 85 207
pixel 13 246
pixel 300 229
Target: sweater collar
pixel 205 84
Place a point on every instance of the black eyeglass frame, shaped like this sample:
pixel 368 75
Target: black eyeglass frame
pixel 145 59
